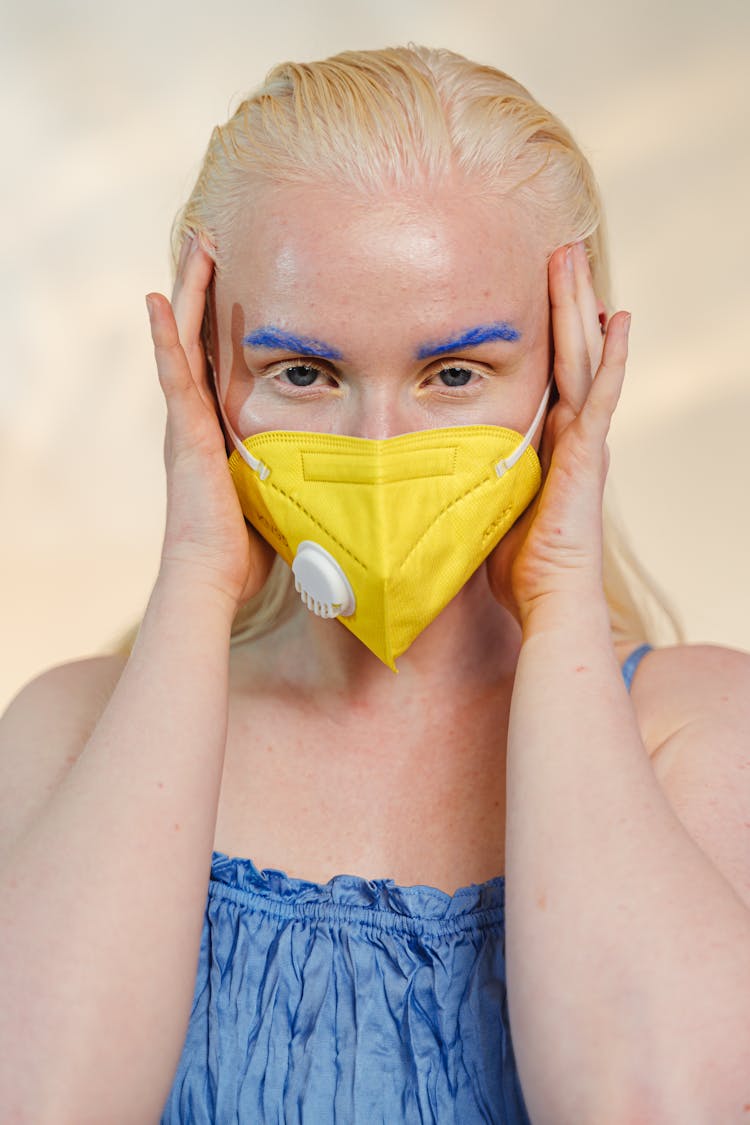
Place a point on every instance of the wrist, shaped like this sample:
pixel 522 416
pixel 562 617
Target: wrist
pixel 577 610
pixel 195 588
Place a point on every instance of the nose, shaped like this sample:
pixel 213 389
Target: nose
pixel 379 413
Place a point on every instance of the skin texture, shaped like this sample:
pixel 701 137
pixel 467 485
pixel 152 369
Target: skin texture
pixel 378 281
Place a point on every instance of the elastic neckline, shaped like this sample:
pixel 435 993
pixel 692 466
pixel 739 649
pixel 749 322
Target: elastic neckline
pixel 380 902
pixel 377 901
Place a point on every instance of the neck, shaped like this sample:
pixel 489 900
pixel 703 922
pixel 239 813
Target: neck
pixel 471 645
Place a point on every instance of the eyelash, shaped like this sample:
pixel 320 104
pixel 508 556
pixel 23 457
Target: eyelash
pixel 292 389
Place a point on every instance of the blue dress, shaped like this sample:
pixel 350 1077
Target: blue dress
pixel 357 1002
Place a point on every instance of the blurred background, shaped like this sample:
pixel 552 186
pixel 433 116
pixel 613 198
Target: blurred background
pixel 106 112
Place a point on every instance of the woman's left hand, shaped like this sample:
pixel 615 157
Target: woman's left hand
pixel 556 545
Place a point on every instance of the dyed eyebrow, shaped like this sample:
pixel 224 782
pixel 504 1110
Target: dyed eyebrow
pixel 270 337
pixel 501 330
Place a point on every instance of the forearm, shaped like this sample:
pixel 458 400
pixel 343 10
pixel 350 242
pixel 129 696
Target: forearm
pixel 628 954
pixel 103 898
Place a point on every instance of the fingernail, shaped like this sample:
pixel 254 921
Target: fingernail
pixel 150 307
pixel 569 258
pixel 627 325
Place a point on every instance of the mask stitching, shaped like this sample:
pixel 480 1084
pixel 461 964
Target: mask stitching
pixel 500 519
pixel 439 516
pixel 447 508
pixel 343 442
pixel 309 476
pixel 312 518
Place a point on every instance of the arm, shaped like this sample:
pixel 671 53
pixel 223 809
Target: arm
pixel 103 896
pixel 104 889
pixel 628 952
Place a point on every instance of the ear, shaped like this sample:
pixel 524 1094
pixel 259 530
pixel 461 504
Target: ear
pixel 208 332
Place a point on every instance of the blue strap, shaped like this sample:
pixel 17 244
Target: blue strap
pixel 632 662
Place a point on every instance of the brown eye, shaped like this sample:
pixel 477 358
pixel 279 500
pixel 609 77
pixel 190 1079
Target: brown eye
pixel 455 376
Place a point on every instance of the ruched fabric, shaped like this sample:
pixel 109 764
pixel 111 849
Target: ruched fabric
pixel 357 1002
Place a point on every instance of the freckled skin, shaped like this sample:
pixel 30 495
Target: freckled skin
pixel 376 280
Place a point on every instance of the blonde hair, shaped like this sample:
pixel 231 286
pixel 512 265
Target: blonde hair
pixel 367 121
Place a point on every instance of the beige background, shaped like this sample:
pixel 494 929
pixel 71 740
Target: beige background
pixel 106 110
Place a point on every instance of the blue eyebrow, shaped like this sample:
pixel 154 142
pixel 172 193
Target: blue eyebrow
pixel 270 337
pixel 470 339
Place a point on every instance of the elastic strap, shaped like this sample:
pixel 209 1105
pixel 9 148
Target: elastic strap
pixel 502 467
pixel 256 465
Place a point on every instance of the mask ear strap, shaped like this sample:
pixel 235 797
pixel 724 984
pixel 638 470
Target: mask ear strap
pixel 502 467
pixel 257 466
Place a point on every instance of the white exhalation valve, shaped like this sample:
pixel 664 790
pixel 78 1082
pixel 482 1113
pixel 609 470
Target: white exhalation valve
pixel 321 583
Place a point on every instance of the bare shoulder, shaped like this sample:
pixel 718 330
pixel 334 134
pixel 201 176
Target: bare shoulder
pixel 693 705
pixel 692 686
pixel 43 731
pixel 63 697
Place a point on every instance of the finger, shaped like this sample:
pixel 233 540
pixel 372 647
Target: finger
pixel 174 372
pixel 571 365
pixel 193 277
pixel 194 272
pixel 607 385
pixel 587 304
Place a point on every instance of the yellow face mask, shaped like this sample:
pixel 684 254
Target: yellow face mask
pixel 382 534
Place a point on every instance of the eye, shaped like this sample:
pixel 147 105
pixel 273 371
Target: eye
pixel 300 374
pixel 455 376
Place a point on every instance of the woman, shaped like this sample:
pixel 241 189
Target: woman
pixel 388 243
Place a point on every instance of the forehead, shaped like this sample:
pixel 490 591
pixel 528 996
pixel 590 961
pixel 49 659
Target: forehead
pixel 406 255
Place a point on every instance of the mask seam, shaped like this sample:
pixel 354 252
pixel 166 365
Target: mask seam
pixel 452 433
pixel 439 516
pixel 490 530
pixel 447 508
pixel 319 525
pixel 435 475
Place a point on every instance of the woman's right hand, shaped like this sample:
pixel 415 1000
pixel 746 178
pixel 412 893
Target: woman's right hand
pixel 206 537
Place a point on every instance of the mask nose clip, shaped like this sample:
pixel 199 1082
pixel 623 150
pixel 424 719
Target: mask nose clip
pixel 321 583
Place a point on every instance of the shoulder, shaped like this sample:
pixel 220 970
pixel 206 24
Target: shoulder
pixel 43 731
pixel 693 706
pixel 695 687
pixel 68 694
